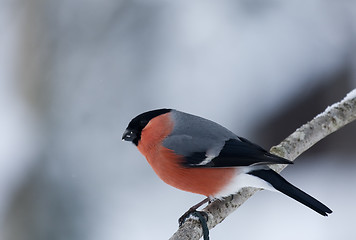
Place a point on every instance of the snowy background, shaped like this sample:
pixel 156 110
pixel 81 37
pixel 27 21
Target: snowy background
pixel 74 73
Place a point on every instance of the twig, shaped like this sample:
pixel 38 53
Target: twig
pixel 332 119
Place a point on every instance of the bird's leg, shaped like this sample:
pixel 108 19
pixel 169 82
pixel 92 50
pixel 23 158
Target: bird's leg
pixel 182 219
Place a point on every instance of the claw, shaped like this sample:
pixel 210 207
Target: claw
pixel 203 218
pixel 182 219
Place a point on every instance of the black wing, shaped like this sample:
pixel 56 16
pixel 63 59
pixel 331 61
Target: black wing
pixel 235 153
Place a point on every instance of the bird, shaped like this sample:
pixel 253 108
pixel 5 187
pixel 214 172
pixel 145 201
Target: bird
pixel 198 155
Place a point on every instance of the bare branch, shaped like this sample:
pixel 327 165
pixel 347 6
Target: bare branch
pixel 332 119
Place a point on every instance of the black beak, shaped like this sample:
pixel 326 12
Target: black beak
pixel 129 135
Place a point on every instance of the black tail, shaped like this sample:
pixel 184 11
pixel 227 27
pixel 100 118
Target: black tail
pixel 279 183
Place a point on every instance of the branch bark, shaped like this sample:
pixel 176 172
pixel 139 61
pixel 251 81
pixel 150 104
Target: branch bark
pixel 332 119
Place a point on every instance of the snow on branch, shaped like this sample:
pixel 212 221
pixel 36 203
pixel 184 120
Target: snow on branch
pixel 333 118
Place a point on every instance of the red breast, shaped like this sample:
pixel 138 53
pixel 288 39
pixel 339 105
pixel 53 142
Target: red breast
pixel 166 164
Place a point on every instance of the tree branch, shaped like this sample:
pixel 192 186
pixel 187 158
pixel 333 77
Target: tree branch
pixel 332 119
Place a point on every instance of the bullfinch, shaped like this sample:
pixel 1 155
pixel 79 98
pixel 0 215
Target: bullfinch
pixel 200 156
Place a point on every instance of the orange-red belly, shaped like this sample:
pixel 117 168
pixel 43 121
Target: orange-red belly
pixel 166 164
pixel 206 181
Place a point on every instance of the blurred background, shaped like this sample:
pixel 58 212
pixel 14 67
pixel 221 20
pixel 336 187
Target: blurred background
pixel 74 73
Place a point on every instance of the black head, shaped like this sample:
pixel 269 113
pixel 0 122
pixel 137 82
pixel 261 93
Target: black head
pixel 134 129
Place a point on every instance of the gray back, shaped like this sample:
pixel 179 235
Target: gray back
pixel 195 134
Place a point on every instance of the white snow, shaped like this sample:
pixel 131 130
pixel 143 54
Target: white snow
pixel 349 96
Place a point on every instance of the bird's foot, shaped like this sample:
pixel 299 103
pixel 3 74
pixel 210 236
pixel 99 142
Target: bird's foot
pixel 203 218
pixel 195 213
